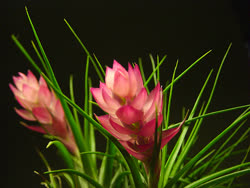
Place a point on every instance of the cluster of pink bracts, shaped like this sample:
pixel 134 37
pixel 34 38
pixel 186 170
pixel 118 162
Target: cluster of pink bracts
pixel 41 105
pixel 131 111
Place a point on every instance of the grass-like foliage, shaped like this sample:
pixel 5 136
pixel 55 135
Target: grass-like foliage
pixel 116 167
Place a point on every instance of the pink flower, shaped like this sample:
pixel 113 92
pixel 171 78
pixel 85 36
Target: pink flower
pixel 131 110
pixel 42 106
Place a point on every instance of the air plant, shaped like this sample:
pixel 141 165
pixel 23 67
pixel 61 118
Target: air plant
pixel 135 124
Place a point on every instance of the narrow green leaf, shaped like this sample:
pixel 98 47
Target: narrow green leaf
pixel 158 70
pixel 222 146
pixel 106 170
pixel 153 68
pixel 117 182
pixel 74 172
pixel 67 157
pixel 26 54
pixel 184 72
pixel 173 156
pixel 208 146
pixel 243 161
pixel 216 175
pixel 40 57
pixel 225 178
pixel 92 140
pixel 153 72
pixel 86 99
pixel 52 178
pixel 170 96
pixel 193 134
pixel 99 64
pixel 86 51
pixel 47 64
pixel 166 121
pixel 230 151
pixel 72 97
pixel 142 73
pixel 75 128
pixel 210 114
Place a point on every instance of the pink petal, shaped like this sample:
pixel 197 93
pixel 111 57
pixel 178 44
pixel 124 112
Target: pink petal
pixel 58 128
pixel 104 120
pixel 131 151
pixel 153 102
pixel 121 85
pixel 24 103
pixel 118 67
pixel 132 81
pixel 140 99
pixel 25 114
pixel 129 115
pixel 35 128
pixel 14 90
pixel 168 135
pixel 42 82
pixel 42 115
pixel 110 77
pixel 97 94
pixel 119 128
pixel 111 102
pixel 18 82
pixel 149 128
pixel 32 81
pixel 138 78
pixel 146 147
pixel 29 93
pixel 59 112
pixel 44 95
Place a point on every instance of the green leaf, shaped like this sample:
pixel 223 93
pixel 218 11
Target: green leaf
pixel 75 128
pixel 99 64
pixel 153 72
pixel 142 73
pixel 227 154
pixel 216 175
pixel 106 170
pixel 86 51
pixel 86 99
pixel 72 97
pixel 184 72
pixel 118 180
pixel 166 122
pixel 80 174
pixel 225 178
pixel 173 156
pixel 92 140
pixel 210 114
pixel 52 178
pixel 153 68
pixel 208 146
pixel 67 157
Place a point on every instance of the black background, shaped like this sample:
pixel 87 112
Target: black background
pixel 182 30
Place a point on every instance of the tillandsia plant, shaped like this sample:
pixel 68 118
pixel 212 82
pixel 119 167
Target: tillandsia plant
pixel 136 126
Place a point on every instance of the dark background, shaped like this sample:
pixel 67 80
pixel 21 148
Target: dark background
pixel 183 30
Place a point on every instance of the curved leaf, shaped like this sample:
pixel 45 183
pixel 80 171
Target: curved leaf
pixel 84 176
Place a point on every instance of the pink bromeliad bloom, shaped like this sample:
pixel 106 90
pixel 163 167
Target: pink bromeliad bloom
pixel 42 106
pixel 131 110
